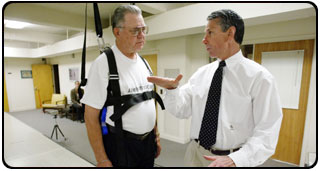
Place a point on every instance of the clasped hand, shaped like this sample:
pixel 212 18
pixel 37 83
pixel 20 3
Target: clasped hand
pixel 220 161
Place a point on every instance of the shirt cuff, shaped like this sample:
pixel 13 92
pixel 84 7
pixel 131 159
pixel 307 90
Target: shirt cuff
pixel 171 92
pixel 239 158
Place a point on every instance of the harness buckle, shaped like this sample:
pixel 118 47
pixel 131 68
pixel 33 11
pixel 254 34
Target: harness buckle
pixel 147 95
pixel 101 44
pixel 113 76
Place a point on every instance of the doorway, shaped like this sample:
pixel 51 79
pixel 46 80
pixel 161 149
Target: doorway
pixel 42 82
pixel 56 82
pixel 292 128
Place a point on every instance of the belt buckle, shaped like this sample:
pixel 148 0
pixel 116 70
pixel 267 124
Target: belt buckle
pixel 144 136
pixel 212 150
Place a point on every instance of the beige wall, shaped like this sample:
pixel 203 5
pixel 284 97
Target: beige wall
pixel 20 91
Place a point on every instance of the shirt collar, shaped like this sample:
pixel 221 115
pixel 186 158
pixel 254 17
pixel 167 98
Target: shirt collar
pixel 118 53
pixel 234 59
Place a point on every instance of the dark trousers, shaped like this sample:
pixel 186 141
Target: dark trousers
pixel 138 153
pixel 79 110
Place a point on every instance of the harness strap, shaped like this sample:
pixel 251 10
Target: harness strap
pixel 83 61
pixel 151 74
pixel 135 99
pixel 101 44
pixel 97 20
pixel 114 86
pixel 114 89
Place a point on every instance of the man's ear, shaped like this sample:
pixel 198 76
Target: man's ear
pixel 116 31
pixel 231 33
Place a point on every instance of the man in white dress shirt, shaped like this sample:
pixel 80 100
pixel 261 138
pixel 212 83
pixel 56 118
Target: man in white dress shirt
pixel 249 114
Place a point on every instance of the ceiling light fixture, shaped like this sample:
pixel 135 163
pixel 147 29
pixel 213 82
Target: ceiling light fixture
pixel 15 24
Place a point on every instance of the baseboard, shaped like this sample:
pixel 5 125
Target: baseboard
pixel 285 162
pixel 21 109
pixel 174 139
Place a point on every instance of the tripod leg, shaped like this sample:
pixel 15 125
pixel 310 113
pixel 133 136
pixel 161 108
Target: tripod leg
pixel 53 131
pixel 60 131
pixel 56 133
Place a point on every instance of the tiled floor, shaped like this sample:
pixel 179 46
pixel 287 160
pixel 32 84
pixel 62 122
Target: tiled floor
pixel 26 147
pixel 172 153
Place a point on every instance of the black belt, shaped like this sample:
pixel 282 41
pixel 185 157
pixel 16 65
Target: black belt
pixel 128 134
pixel 220 152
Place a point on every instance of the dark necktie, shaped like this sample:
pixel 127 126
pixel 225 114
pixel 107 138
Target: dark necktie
pixel 208 131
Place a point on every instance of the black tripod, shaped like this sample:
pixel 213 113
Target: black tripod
pixel 56 128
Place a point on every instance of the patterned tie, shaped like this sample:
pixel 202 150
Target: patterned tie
pixel 208 131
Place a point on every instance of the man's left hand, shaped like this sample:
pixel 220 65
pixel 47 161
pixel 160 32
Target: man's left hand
pixel 220 161
pixel 158 145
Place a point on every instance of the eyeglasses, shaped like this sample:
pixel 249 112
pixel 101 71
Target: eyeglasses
pixel 137 30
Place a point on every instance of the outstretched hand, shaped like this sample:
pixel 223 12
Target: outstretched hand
pixel 167 83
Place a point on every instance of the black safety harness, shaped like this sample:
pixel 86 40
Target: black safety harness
pixel 121 103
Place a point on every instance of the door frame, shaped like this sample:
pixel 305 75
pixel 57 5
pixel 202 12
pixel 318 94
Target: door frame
pixel 308 47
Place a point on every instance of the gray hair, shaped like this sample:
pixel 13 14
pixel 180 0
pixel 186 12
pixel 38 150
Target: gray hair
pixel 229 18
pixel 121 11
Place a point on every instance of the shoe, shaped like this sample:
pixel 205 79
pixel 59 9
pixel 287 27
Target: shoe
pixel 82 121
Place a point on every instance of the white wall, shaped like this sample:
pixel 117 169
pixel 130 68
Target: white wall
pixel 172 55
pixel 301 29
pixel 20 91
pixel 71 61
pixel 198 53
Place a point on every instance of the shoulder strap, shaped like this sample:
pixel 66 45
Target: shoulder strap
pixel 114 89
pixel 113 73
pixel 144 61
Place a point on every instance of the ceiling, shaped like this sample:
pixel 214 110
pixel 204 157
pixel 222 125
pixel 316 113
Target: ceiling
pixel 53 22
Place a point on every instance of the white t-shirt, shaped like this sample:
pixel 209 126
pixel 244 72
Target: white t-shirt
pixel 133 74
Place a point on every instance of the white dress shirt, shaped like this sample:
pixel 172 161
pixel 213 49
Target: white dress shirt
pixel 250 112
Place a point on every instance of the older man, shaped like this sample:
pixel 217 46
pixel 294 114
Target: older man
pixel 137 146
pixel 234 103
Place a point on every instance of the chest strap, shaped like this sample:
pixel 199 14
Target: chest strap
pixel 123 103
pixel 135 99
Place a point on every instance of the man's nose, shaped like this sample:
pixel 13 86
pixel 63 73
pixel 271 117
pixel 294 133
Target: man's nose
pixel 141 34
pixel 204 41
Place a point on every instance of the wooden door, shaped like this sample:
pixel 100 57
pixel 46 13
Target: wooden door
pixel 5 95
pixel 42 82
pixel 292 128
pixel 152 60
